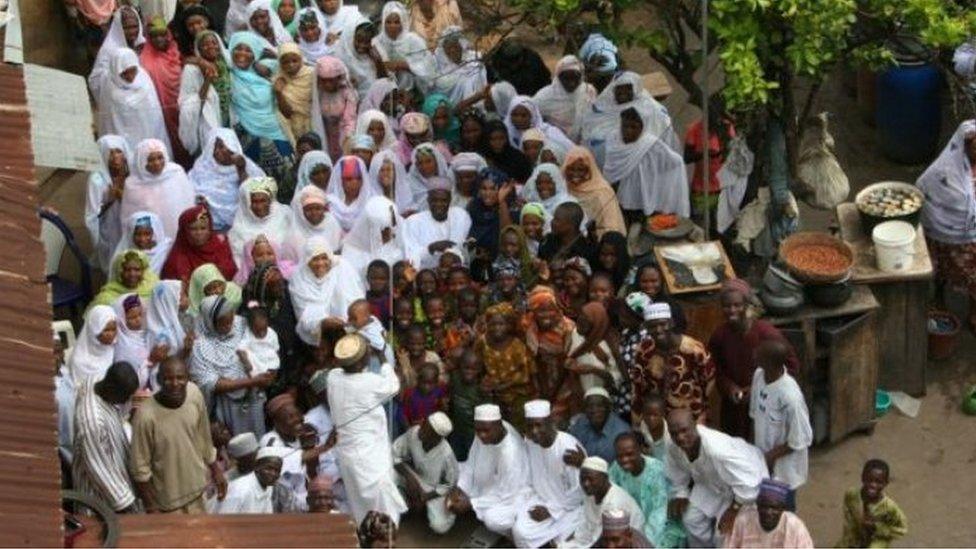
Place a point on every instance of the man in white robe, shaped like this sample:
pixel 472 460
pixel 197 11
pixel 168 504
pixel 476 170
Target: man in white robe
pixel 494 477
pixel 429 233
pixel 555 506
pixel 428 469
pixel 321 418
pixel 601 496
pixel 253 493
pixel 780 416
pixel 712 476
pixel 356 399
pixel 302 460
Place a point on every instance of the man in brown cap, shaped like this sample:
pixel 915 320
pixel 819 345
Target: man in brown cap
pixel 617 531
pixel 365 457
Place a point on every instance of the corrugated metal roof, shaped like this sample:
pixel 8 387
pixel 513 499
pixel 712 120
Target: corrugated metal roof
pixel 285 530
pixel 30 475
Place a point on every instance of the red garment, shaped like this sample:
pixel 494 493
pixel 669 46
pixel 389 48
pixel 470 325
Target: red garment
pixel 184 257
pixel 734 362
pixel 165 68
pixel 693 142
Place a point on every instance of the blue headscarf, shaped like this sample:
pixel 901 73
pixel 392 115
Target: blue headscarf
pixel 252 95
pixel 597 44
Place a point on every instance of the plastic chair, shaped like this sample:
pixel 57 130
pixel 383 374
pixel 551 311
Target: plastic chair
pixel 65 331
pixel 56 236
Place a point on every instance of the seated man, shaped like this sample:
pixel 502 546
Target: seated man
pixel 254 492
pixel 555 506
pixel 768 523
pixel 428 234
pixel 597 428
pixel 494 477
pixel 712 476
pixel 601 496
pixel 644 478
pixel 427 469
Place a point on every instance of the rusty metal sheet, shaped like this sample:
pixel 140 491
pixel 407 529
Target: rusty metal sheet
pixel 30 475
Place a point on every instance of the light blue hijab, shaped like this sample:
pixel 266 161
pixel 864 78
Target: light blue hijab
pixel 251 95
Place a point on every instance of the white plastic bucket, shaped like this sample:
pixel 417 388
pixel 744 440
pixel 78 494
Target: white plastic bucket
pixel 894 245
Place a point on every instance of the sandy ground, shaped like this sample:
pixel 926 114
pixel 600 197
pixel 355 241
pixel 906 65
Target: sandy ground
pixel 932 456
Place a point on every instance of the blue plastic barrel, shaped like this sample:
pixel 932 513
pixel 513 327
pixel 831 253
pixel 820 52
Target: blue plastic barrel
pixel 909 112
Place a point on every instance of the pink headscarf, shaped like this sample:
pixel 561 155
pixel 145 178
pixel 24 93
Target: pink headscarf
pixel 332 67
pixel 285 266
pixel 413 123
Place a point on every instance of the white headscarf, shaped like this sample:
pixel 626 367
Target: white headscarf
pixel 163 316
pixel 409 47
pixel 949 210
pixel 362 70
pixel 312 51
pixel 563 109
pixel 130 109
pixel 330 295
pixel 604 116
pixel 502 94
pixel 167 194
pixel 402 195
pixel 458 81
pixel 105 230
pixel 310 161
pixel 530 192
pixel 337 22
pixel 328 229
pixel 131 346
pixel 114 41
pixel 280 33
pixel 419 185
pixel 217 183
pixel 364 243
pixel 550 131
pixel 368 116
pixel 237 18
pixel 247 225
pixel 90 358
pixel 648 159
pixel 158 253
pixel 344 213
pixel 199 116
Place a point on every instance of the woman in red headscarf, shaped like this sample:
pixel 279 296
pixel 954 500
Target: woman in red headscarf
pixel 197 244
pixel 549 336
pixel 161 59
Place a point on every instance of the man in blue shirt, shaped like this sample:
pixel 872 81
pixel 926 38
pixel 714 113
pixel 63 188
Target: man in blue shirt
pixel 596 428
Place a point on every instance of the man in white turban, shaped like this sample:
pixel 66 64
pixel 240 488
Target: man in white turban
pixel 427 469
pixel 494 477
pixel 553 509
pixel 601 495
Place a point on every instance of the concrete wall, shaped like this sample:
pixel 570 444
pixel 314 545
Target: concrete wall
pixel 48 36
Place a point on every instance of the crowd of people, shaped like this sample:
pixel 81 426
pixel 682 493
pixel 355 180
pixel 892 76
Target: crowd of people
pixel 349 272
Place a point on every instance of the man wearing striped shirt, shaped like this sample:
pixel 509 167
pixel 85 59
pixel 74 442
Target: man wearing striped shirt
pixel 101 449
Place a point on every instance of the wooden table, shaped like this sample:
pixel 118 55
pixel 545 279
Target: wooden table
pixel 839 356
pixel 904 299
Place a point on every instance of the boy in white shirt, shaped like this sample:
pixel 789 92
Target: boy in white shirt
pixel 779 415
pixel 258 350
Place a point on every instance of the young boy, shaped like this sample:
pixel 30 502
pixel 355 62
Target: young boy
pixel 653 426
pixel 781 421
pixel 465 395
pixel 427 397
pixel 871 518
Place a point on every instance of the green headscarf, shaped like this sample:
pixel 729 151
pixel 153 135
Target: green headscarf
pixel 222 83
pixel 453 133
pixel 292 27
pixel 115 288
pixel 201 278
